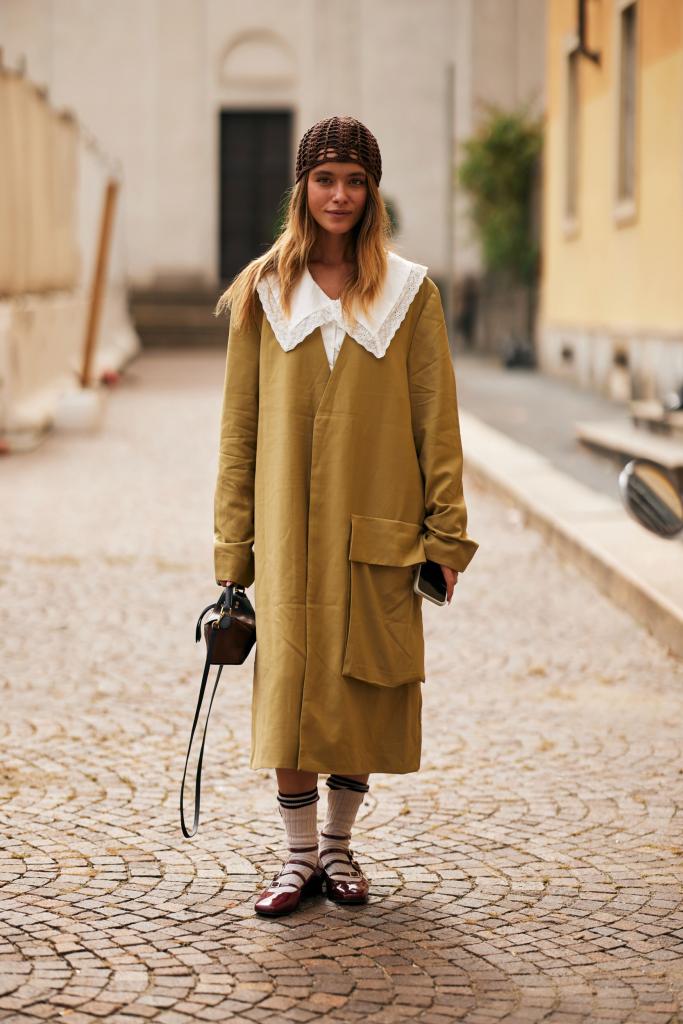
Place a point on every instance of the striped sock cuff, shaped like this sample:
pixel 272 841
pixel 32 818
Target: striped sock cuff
pixel 309 796
pixel 344 782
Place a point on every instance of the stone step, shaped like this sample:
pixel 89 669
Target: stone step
pixel 177 317
pixel 651 414
pixel 620 438
pixel 172 337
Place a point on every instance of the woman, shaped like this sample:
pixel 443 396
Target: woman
pixel 341 466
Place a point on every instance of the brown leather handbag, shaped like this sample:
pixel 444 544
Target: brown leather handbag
pixel 230 633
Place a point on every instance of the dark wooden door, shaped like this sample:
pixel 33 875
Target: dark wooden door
pixel 256 169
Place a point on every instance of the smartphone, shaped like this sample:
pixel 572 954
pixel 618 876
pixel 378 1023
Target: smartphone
pixel 430 582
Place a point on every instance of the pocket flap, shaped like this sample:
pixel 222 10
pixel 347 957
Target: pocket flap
pixel 386 541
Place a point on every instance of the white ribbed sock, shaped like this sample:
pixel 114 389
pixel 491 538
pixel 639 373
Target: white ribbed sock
pixel 299 811
pixel 343 802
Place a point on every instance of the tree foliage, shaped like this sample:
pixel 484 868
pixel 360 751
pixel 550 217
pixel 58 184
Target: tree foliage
pixel 498 172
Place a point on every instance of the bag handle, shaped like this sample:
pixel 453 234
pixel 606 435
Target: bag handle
pixel 217 605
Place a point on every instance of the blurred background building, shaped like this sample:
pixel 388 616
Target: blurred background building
pixel 203 102
pixel 195 107
pixel 612 301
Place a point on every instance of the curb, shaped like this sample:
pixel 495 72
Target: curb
pixel 639 571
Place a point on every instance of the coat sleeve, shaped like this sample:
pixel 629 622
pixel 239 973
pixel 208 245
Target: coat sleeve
pixel 436 431
pixel 234 492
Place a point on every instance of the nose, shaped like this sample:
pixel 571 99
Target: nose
pixel 339 192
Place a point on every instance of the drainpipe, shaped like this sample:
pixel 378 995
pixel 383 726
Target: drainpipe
pixel 593 55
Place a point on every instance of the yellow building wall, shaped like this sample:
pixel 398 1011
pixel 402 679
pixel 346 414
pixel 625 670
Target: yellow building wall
pixel 609 276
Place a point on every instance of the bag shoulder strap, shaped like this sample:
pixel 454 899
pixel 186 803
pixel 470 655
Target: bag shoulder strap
pixel 198 780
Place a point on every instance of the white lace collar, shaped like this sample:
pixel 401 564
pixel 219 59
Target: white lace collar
pixel 312 308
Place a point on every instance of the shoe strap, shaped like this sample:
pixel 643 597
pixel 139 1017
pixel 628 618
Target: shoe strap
pixel 292 871
pixel 277 882
pixel 347 874
pixel 350 859
pixel 335 849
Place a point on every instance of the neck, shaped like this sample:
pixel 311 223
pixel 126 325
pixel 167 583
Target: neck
pixel 332 249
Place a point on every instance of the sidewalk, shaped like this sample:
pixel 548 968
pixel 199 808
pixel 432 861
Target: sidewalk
pixel 518 437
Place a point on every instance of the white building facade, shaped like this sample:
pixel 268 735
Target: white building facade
pixel 203 103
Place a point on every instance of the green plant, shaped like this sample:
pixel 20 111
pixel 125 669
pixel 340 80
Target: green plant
pixel 498 171
pixel 392 211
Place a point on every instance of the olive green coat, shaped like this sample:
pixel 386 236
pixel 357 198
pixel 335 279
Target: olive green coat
pixel 343 481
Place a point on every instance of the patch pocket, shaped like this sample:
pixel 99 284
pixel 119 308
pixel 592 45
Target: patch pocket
pixel 384 637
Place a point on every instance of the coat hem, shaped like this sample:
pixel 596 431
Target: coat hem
pixel 337 769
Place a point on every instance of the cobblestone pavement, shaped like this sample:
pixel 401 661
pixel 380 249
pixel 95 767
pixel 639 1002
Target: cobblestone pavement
pixel 530 871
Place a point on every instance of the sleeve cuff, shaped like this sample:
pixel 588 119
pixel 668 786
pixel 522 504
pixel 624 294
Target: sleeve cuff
pixel 234 562
pixel 456 554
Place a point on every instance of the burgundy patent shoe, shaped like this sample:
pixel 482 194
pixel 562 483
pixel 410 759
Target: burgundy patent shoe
pixel 354 886
pixel 277 900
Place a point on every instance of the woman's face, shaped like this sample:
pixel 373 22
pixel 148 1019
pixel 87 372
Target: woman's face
pixel 336 195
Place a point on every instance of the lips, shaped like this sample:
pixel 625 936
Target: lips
pixel 339 213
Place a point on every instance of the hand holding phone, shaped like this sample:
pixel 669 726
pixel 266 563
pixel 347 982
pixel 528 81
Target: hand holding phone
pixel 430 582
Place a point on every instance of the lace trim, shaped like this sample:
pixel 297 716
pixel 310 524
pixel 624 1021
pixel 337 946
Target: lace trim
pixel 378 343
pixel 289 335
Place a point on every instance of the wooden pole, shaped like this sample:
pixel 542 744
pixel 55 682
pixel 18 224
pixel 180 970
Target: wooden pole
pixel 99 279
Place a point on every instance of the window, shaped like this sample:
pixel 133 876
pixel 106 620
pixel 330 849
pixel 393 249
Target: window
pixel 626 112
pixel 571 175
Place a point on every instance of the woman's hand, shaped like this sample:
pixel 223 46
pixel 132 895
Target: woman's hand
pixel 451 578
pixel 224 583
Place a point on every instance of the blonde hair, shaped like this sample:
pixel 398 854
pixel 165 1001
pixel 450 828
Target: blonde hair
pixel 289 254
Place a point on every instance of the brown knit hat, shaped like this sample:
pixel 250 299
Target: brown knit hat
pixel 349 139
